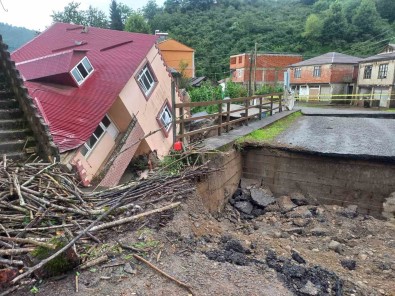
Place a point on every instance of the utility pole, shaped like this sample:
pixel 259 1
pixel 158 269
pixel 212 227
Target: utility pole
pixel 255 61
pixel 250 75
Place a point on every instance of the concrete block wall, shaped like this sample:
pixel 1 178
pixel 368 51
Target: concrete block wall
pixel 219 186
pixel 330 180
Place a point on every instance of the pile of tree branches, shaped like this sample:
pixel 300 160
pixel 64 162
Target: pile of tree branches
pixel 43 210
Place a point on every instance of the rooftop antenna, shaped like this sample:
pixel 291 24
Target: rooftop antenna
pixel 2 5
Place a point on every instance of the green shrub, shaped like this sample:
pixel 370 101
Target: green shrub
pixel 267 89
pixel 235 90
pixel 206 92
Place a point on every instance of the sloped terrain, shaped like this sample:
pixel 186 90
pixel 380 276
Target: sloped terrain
pixel 292 247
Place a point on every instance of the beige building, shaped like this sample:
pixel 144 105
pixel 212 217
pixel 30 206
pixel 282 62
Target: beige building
pixel 376 79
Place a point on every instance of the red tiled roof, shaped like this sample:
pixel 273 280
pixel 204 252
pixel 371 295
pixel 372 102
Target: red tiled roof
pixel 74 112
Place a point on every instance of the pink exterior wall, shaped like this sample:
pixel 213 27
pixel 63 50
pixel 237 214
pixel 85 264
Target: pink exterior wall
pixel 88 166
pixel 146 110
pixel 122 160
pixel 131 102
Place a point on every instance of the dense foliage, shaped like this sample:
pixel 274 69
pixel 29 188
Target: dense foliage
pixel 217 29
pixel 14 37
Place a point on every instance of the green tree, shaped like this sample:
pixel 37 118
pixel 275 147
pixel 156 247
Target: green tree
pixel 313 27
pixel 70 14
pixel 366 18
pixel 386 8
pixel 95 18
pixel 137 23
pixel 125 12
pixel 151 9
pixel 335 24
pixel 115 17
pixel 172 6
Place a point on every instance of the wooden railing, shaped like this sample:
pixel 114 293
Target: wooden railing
pixel 264 103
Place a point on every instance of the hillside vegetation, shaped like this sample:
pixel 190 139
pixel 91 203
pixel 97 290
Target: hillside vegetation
pixel 14 37
pixel 217 30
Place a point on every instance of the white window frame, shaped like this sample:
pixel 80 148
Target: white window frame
pixel 81 63
pixel 165 125
pixel 383 71
pixel 367 72
pixel 146 73
pixel 298 73
pixel 317 71
pixel 111 128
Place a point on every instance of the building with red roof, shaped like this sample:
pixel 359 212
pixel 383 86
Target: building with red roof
pixel 100 91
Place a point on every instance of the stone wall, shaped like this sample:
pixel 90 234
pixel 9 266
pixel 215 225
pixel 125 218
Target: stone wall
pixel 328 179
pixel 46 147
pixel 219 186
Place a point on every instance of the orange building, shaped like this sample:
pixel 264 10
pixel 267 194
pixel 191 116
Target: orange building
pixel 176 54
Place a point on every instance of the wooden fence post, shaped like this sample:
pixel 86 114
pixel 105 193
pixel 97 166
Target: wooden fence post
pixel 227 116
pixel 181 121
pixel 271 105
pixel 280 106
pixel 247 103
pixel 260 108
pixel 220 118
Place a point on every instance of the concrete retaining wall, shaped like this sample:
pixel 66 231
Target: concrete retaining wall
pixel 330 180
pixel 218 186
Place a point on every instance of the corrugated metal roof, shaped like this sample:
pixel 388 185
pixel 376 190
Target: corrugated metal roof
pixel 173 45
pixel 73 112
pixel 380 57
pixel 329 58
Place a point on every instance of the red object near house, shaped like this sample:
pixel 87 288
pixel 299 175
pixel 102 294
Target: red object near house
pixel 177 146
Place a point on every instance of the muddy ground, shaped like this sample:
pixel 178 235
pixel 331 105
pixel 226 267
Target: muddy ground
pixel 236 255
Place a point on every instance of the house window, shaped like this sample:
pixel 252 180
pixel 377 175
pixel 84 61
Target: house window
pixel 104 126
pixel 146 80
pixel 317 71
pixel 367 74
pixel 165 118
pixel 383 70
pixel 233 60
pixel 297 73
pixel 82 70
pixel 240 59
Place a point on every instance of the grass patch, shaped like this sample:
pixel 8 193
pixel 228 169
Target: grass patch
pixel 267 134
pixel 391 110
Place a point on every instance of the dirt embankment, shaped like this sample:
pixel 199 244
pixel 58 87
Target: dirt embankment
pixel 267 246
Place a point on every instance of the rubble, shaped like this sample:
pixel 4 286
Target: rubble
pixel 46 220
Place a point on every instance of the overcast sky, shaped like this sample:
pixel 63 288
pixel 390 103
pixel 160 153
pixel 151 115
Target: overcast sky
pixel 35 14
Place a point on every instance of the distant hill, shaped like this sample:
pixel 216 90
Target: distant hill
pixel 15 37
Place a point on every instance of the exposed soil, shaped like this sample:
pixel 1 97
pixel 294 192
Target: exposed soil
pixel 265 254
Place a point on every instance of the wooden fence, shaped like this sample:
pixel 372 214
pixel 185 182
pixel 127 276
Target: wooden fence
pixel 264 104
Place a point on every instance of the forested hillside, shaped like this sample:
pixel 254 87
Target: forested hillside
pixel 217 29
pixel 14 37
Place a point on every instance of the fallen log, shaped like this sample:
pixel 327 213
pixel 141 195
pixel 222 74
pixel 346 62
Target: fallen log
pixel 7 252
pixel 28 241
pixel 133 218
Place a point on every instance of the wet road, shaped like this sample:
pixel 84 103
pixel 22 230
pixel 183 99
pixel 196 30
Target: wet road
pixel 342 135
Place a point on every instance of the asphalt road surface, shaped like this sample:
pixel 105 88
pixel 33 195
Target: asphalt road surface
pixel 342 135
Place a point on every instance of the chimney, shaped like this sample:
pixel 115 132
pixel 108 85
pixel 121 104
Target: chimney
pixel 162 36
